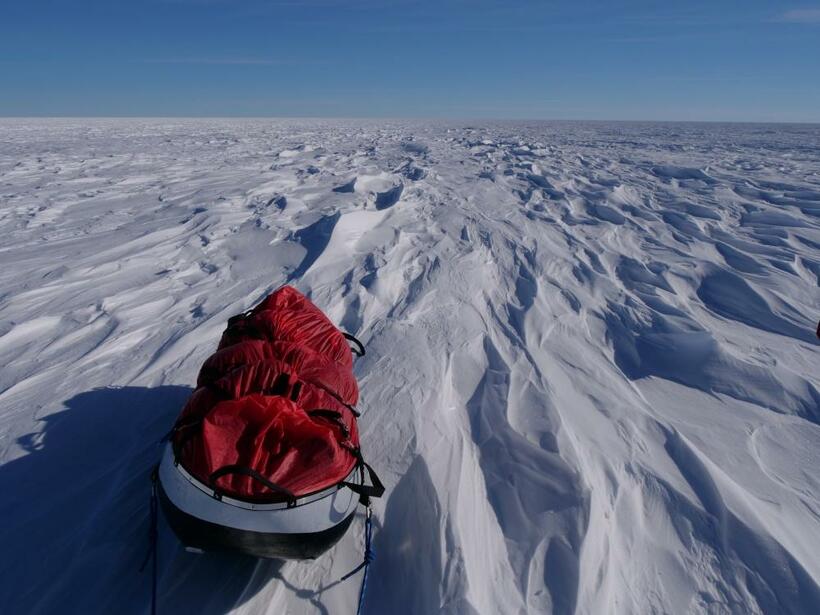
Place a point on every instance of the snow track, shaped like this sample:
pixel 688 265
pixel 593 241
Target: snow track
pixel 591 376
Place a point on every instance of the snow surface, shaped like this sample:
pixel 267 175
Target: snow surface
pixel 591 382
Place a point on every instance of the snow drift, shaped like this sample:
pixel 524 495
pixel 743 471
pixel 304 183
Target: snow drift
pixel 591 381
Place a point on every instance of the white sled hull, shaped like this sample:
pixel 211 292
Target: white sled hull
pixel 204 522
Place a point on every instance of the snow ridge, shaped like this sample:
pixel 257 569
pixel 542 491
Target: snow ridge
pixel 591 381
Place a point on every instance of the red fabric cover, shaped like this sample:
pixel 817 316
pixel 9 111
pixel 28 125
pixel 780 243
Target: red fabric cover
pixel 244 412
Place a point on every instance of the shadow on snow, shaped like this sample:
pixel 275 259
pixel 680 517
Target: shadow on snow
pixel 74 516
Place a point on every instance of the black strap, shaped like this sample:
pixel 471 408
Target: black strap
pixel 337 397
pixel 332 415
pixel 245 471
pixel 187 430
pixel 280 386
pixel 238 325
pixel 295 390
pixel 374 490
pixel 359 350
pixel 238 318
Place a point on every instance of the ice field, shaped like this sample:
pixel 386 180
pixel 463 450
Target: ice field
pixel 592 382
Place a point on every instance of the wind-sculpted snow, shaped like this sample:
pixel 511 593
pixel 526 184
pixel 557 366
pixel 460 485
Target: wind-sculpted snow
pixel 591 381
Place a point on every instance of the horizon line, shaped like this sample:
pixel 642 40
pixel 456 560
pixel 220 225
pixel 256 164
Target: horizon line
pixel 401 118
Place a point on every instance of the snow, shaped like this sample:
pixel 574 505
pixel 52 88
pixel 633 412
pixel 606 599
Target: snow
pixel 591 382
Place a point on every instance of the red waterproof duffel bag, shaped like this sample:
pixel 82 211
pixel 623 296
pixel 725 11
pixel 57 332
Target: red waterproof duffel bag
pixel 265 456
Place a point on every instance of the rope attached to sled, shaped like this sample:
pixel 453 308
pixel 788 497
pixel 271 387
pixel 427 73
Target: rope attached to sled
pixel 153 537
pixel 365 492
pixel 369 556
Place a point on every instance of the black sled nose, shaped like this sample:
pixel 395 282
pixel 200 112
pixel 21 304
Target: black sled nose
pixel 208 536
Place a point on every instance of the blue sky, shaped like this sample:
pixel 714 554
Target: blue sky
pixel 699 60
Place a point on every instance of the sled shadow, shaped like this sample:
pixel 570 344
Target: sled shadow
pixel 74 512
